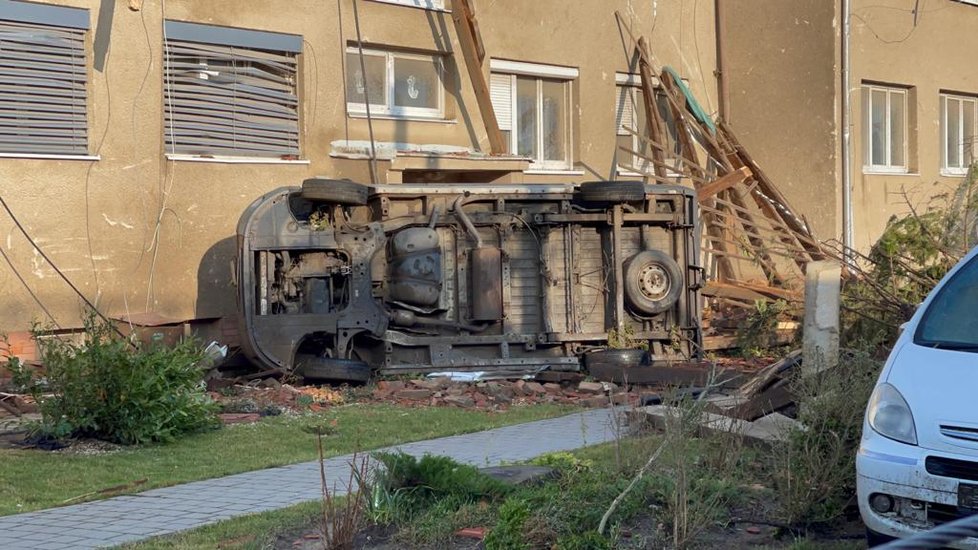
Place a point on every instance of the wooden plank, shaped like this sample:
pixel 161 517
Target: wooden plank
pixel 656 375
pixel 723 183
pixel 768 401
pixel 648 99
pixel 461 14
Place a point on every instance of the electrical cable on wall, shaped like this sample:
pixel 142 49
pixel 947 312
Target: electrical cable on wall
pixel 28 288
pixel 61 274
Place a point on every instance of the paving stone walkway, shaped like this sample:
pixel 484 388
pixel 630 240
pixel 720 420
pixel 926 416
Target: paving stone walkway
pixel 162 511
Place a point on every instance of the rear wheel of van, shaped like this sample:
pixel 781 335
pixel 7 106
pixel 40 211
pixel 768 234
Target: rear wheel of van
pixel 338 191
pixel 653 281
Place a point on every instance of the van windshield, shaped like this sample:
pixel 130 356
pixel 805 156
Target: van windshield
pixel 951 320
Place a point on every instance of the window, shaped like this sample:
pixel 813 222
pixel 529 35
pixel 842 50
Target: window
pixel 957 133
pixel 43 80
pixel 426 4
pixel 631 119
pixel 886 125
pixel 402 85
pixel 532 105
pixel 230 92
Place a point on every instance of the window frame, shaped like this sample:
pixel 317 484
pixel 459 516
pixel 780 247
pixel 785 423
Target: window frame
pixel 389 109
pixel 207 41
pixel 566 76
pixel 889 168
pixel 433 5
pixel 57 20
pixel 963 144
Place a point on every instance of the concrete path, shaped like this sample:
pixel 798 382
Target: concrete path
pixel 162 511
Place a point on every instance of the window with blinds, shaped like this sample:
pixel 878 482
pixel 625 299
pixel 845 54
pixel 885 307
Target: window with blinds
pixel 230 92
pixel 43 80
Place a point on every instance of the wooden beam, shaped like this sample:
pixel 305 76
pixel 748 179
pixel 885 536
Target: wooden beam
pixel 461 16
pixel 723 183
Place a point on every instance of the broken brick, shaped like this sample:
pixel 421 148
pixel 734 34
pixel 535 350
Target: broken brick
pixel 460 401
pixel 413 394
pixel 535 387
pixel 591 387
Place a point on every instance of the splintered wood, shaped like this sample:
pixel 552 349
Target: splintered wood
pixel 754 245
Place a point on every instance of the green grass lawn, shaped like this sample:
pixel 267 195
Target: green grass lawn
pixel 32 480
pixel 255 531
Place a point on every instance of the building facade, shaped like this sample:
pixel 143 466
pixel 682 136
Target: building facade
pixel 909 107
pixel 133 134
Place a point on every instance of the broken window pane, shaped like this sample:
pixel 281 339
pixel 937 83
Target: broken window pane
pixel 416 83
pixel 897 127
pixel 554 103
pixel 877 107
pixel 374 85
pixel 526 117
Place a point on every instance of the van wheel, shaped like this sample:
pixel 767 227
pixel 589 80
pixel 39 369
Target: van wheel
pixel 612 191
pixel 653 281
pixel 338 191
pixel 313 367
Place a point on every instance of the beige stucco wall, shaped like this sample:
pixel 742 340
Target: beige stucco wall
pixel 781 71
pixel 136 232
pixel 936 54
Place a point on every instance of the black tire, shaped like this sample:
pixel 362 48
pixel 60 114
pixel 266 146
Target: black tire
pixel 313 367
pixel 338 191
pixel 624 358
pixel 653 281
pixel 877 539
pixel 612 191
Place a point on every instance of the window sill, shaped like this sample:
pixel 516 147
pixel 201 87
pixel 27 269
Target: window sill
pixel 394 2
pixel 48 157
pixel 234 160
pixel 553 172
pixel 385 116
pixel 953 173
pixel 884 171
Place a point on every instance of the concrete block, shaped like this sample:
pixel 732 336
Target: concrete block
pixel 823 281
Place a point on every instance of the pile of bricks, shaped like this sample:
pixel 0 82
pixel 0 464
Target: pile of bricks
pixel 498 394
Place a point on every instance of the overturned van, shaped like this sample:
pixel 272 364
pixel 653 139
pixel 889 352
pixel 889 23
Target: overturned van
pixel 338 280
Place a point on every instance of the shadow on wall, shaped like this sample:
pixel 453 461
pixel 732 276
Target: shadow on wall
pixel 216 293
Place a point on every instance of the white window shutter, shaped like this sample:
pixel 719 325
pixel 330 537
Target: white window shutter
pixel 501 95
pixel 625 112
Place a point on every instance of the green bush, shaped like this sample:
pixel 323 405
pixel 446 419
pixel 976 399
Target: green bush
pixel 434 477
pixel 108 389
pixel 508 532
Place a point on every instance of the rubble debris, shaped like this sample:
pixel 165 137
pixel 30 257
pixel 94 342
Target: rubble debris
pixel 762 433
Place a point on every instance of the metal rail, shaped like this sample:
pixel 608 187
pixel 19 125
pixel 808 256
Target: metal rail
pixel 938 537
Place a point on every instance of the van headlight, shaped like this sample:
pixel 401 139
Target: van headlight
pixel 889 415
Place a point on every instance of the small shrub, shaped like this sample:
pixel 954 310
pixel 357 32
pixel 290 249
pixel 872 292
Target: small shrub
pixel 508 532
pixel 407 485
pixel 814 469
pixel 754 337
pixel 107 389
pixel 564 462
